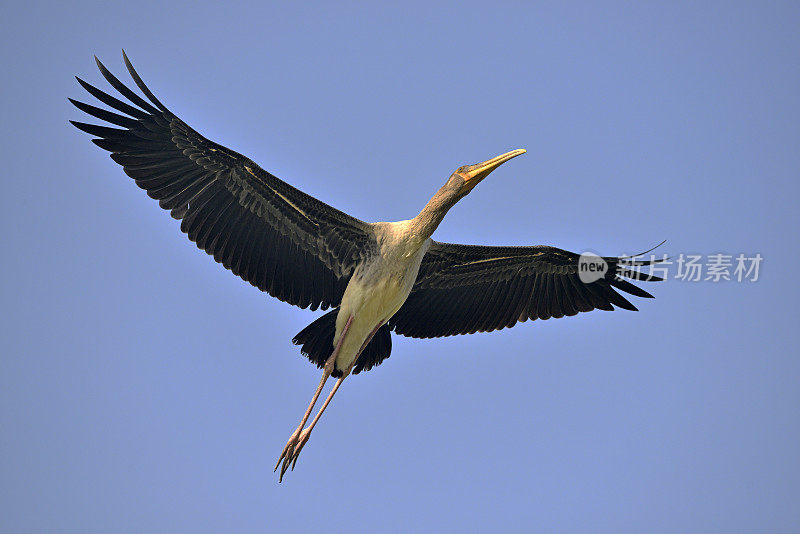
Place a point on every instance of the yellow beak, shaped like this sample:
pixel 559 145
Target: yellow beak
pixel 475 173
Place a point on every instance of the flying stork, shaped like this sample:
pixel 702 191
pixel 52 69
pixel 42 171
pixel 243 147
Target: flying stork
pixel 376 277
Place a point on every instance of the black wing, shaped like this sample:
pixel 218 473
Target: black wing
pixel 278 238
pixel 463 289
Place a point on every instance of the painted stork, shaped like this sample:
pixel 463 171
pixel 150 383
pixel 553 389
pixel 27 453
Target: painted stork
pixel 377 277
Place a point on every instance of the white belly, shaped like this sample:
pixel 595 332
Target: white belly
pixel 371 299
pixel 370 306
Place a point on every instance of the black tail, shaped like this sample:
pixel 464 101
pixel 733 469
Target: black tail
pixel 317 344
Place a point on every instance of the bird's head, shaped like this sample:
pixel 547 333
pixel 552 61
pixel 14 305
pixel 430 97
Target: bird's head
pixel 466 177
pixel 460 183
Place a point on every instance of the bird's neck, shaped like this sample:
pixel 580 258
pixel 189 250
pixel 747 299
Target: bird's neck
pixel 424 224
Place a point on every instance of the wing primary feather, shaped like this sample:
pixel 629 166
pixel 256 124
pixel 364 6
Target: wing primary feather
pixel 108 116
pixel 142 87
pixel 100 131
pixel 636 275
pixel 616 298
pixel 626 286
pixel 601 300
pixel 109 100
pixel 124 90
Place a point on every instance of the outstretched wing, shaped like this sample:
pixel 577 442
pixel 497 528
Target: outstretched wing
pixel 279 239
pixel 463 289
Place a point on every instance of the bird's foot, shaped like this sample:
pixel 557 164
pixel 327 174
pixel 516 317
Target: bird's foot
pixel 292 450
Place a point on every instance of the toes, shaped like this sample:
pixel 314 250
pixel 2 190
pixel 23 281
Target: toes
pixel 282 456
pixel 283 469
pixel 288 450
pixel 299 447
pixel 285 466
pixel 291 451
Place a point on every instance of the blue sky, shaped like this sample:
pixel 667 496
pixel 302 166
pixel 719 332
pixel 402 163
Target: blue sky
pixel 145 388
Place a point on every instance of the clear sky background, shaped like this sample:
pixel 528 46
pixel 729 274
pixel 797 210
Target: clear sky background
pixel 143 388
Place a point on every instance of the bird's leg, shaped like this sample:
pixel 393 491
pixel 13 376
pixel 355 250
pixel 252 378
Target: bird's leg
pixel 306 432
pixel 327 370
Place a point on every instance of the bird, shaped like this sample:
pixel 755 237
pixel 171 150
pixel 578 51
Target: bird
pixel 374 278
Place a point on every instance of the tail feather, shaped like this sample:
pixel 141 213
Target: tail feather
pixel 316 342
